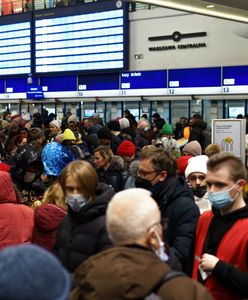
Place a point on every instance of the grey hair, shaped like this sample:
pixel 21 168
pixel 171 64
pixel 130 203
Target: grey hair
pixel 130 214
pixel 143 123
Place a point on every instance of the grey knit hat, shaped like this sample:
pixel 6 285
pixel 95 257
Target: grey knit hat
pixel 30 272
pixel 192 148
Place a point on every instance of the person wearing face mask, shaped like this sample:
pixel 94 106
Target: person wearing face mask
pixel 82 232
pixel 195 173
pixel 26 174
pixel 136 266
pixel 158 173
pixel 221 255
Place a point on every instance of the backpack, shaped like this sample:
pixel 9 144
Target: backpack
pixel 168 276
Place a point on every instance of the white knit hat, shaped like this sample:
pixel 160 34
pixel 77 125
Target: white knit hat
pixel 197 164
pixel 26 117
pixel 124 123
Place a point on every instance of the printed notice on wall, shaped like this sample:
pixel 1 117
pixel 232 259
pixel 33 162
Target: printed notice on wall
pixel 230 135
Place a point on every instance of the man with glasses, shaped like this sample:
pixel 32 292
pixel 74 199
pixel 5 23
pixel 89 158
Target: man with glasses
pixel 136 267
pixel 221 246
pixel 195 173
pixel 158 173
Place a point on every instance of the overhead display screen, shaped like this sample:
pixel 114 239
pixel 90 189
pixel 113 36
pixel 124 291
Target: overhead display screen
pixel 144 83
pixel 15 45
pixel 90 37
pixel 195 81
pixel 235 79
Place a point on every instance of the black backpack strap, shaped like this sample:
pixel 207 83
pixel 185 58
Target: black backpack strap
pixel 168 276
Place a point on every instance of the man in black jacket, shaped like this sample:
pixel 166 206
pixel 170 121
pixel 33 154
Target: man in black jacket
pixel 199 132
pixel 157 173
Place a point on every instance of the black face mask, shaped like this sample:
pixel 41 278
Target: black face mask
pixel 199 191
pixel 143 183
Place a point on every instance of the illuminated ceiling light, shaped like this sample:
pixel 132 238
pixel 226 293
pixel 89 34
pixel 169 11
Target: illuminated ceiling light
pixel 198 10
pixel 210 6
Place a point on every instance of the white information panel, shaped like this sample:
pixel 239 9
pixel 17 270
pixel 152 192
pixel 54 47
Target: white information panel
pixel 230 135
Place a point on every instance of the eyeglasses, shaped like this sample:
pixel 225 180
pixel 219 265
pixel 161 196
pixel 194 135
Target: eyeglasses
pixel 194 177
pixel 145 173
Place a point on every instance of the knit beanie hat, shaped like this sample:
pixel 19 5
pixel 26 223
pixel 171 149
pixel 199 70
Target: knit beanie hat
pixel 14 115
pixel 104 134
pixel 30 272
pixel 68 135
pixel 55 123
pixel 193 148
pixel 197 164
pixel 126 148
pixel 124 123
pixel 167 129
pixel 182 163
pixel 72 118
pixel 26 117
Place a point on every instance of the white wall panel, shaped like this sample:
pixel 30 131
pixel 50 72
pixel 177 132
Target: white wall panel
pixel 226 41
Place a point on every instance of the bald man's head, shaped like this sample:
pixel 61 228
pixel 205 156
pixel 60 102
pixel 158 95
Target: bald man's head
pixel 130 214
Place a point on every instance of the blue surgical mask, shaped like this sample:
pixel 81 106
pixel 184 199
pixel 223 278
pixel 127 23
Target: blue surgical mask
pixel 76 201
pixel 221 199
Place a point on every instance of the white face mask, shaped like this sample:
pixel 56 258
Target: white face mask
pixel 29 177
pixel 76 201
pixel 161 252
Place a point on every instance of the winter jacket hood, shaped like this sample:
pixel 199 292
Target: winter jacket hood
pixel 7 191
pixel 26 156
pixel 48 216
pixel 199 124
pixel 96 208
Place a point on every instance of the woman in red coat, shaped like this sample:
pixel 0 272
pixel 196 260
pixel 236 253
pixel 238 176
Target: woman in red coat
pixel 16 220
pixel 48 216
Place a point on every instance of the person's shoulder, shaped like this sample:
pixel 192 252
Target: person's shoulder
pixel 183 288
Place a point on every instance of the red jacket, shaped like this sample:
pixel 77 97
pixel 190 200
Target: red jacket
pixel 16 220
pixel 232 250
pixel 47 220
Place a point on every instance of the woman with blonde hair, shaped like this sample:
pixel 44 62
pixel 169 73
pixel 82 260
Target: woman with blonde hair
pixel 110 168
pixel 48 216
pixel 82 232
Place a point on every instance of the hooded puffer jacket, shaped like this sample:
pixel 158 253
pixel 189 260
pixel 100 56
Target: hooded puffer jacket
pixel 26 156
pixel 83 234
pixel 198 133
pixel 16 220
pixel 115 175
pixel 46 221
pixel 132 272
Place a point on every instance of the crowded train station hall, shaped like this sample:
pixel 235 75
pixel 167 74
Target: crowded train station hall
pixel 123 150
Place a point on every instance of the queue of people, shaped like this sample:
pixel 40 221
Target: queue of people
pixel 126 210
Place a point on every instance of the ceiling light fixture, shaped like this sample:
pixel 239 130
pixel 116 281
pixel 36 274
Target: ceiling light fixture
pixel 198 10
pixel 210 6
